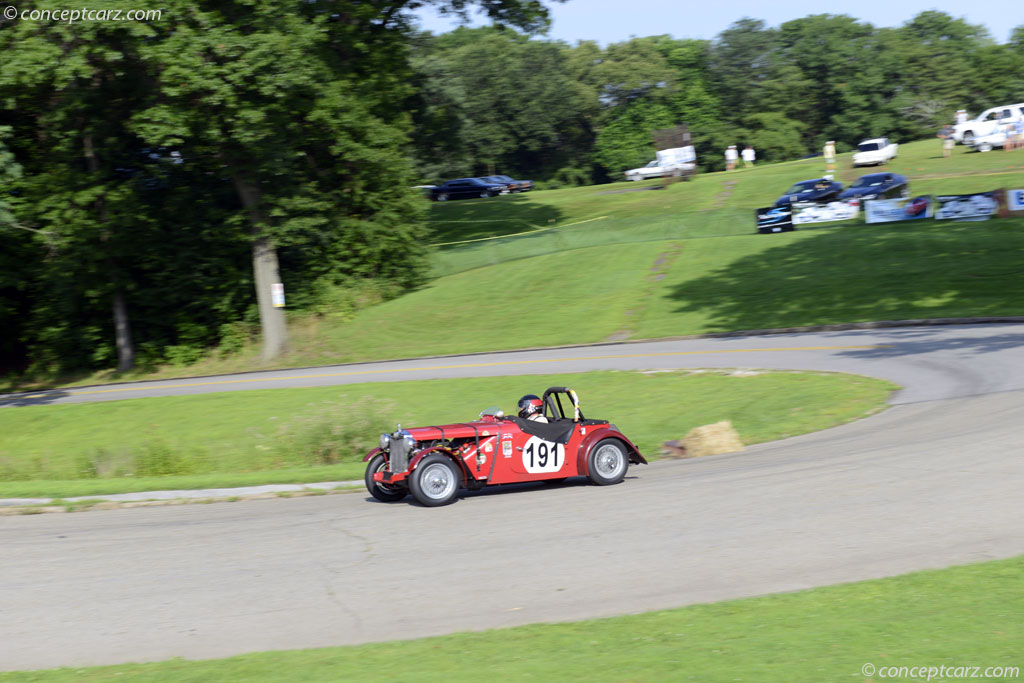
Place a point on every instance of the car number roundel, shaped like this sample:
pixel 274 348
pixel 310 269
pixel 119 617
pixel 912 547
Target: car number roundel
pixel 542 456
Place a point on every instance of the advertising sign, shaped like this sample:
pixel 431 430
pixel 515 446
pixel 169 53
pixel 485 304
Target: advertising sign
pixel 967 207
pixel 889 210
pixel 823 212
pixel 774 219
pixel 1015 200
pixel 677 155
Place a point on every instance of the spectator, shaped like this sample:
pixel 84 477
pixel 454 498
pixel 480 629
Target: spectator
pixel 748 156
pixel 961 116
pixel 731 156
pixel 1015 138
pixel 947 141
pixel 829 151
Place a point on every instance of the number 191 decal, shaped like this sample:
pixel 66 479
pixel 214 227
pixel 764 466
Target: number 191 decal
pixel 542 456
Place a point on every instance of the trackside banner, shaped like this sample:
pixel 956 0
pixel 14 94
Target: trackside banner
pixel 1015 200
pixel 774 219
pixel 890 210
pixel 967 207
pixel 821 212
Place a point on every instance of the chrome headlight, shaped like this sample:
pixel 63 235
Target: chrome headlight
pixel 409 441
pixel 385 442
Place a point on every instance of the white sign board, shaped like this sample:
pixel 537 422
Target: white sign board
pixel 677 155
pixel 277 294
pixel 1015 200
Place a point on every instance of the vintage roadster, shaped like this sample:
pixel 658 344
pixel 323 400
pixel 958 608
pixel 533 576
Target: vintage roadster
pixel 434 463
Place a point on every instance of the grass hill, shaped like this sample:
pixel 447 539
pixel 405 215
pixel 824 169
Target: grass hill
pixel 629 261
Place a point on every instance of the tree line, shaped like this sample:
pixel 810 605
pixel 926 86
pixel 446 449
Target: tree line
pixel 156 175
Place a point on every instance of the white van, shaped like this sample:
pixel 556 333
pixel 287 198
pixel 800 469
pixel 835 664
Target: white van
pixel 990 121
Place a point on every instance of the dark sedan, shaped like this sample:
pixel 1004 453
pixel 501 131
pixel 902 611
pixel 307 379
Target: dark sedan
pixel 462 188
pixel 513 185
pixel 878 186
pixel 816 190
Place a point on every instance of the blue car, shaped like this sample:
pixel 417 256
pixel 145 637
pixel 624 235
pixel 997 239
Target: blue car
pixel 878 186
pixel 814 190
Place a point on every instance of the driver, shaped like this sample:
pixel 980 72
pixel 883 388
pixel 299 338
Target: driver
pixel 532 408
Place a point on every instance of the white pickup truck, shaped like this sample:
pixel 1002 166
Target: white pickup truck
pixel 989 122
pixel 875 151
pixel 681 160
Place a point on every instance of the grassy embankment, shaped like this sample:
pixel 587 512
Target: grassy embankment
pixel 620 261
pixel 960 617
pixel 319 434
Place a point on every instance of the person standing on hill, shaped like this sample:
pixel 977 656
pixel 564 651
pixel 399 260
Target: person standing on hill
pixel 748 156
pixel 829 152
pixel 947 141
pixel 731 157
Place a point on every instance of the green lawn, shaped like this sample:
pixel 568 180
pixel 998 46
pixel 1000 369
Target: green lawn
pixel 967 616
pixel 321 434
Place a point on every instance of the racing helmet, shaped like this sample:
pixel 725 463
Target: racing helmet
pixel 530 404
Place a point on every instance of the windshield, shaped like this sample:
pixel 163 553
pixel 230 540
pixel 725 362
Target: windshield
pixel 868 147
pixel 869 181
pixel 805 186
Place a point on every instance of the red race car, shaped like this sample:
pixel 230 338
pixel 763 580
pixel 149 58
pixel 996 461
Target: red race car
pixel 433 463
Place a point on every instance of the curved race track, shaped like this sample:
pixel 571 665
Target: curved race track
pixel 933 481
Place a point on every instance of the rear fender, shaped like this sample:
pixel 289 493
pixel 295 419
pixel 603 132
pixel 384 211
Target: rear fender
pixel 593 438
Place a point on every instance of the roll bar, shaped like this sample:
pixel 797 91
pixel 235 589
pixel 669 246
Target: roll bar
pixel 553 403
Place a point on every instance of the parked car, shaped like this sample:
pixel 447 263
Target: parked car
pixel 875 151
pixel 988 122
pixel 466 187
pixel 877 186
pixel 434 463
pixel 815 190
pixel 658 170
pixel 513 185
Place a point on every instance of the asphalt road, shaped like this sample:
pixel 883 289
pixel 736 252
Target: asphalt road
pixel 933 481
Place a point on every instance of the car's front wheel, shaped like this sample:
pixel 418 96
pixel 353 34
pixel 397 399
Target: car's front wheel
pixel 607 462
pixel 967 137
pixel 435 482
pixel 442 196
pixel 383 492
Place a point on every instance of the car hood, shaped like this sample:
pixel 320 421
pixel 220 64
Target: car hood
pixel 459 430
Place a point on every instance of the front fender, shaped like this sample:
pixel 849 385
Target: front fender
pixel 375 451
pixel 593 438
pixel 459 462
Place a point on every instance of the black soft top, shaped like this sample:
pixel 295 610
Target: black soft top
pixel 558 430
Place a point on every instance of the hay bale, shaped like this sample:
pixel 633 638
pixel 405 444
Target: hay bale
pixel 712 439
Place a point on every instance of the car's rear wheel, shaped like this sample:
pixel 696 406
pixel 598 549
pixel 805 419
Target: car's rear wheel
pixel 435 481
pixel 607 462
pixel 383 492
pixel 486 193
pixel 442 196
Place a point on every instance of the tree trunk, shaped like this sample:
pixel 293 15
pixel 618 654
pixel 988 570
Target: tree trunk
pixel 265 273
pixel 122 325
pixel 123 334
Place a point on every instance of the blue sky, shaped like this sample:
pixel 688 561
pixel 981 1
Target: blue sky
pixel 610 21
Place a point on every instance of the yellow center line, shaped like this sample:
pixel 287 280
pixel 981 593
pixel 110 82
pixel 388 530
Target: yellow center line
pixel 458 366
